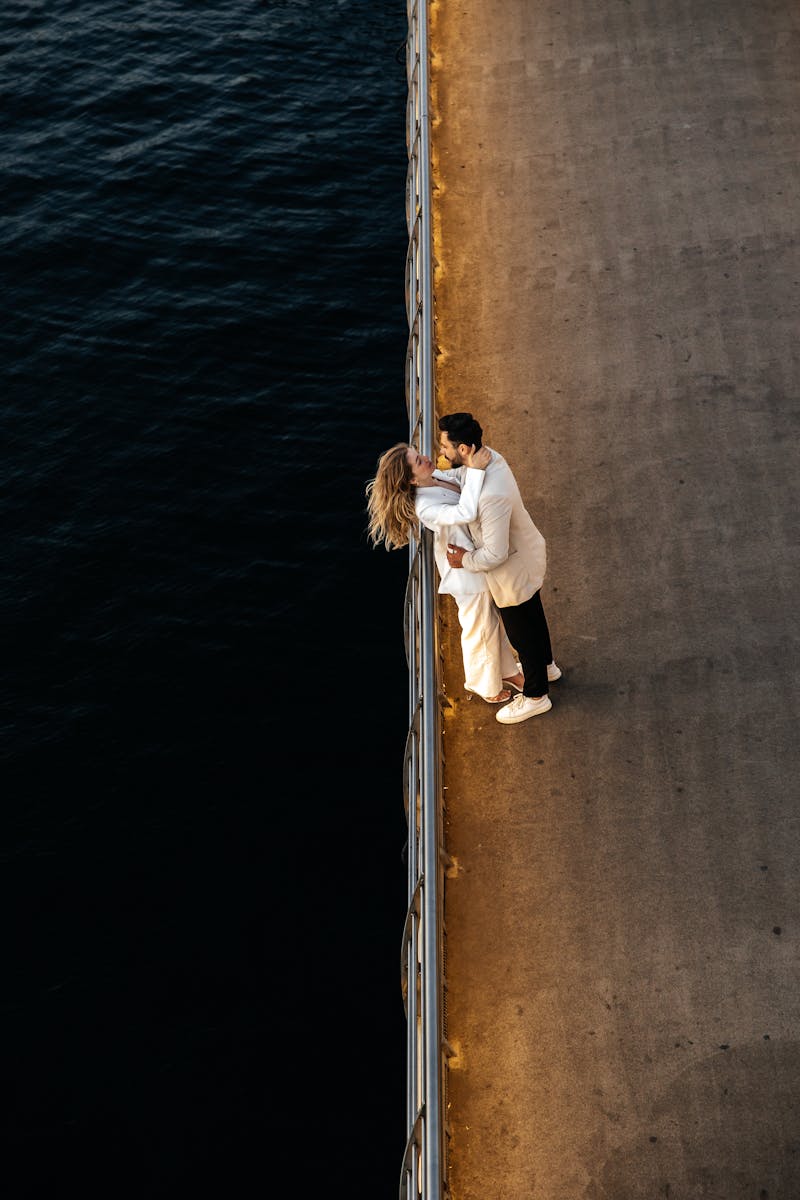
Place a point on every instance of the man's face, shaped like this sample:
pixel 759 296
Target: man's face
pixel 450 452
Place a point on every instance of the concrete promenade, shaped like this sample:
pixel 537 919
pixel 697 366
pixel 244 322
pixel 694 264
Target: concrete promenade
pixel 617 298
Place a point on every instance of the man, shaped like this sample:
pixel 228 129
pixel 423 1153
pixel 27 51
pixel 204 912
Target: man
pixel 510 551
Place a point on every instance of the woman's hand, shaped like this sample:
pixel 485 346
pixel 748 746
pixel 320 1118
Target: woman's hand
pixel 478 458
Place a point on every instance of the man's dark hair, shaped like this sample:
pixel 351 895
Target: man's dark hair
pixel 462 428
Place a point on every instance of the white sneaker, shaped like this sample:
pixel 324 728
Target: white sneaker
pixel 522 707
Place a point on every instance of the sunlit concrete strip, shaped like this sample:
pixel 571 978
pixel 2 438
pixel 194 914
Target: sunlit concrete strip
pixel 616 221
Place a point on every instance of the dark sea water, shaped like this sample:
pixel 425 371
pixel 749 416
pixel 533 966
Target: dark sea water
pixel 205 698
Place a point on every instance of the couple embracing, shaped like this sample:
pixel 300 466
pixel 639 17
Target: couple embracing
pixel 490 556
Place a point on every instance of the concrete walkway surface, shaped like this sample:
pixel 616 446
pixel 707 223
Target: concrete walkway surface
pixel 616 219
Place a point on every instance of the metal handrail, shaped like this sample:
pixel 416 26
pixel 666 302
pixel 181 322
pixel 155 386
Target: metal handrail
pixel 423 1174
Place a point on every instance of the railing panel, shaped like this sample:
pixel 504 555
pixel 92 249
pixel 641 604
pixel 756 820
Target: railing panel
pixel 424 1167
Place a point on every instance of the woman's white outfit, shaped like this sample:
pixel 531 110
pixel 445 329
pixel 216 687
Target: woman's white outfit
pixel 485 647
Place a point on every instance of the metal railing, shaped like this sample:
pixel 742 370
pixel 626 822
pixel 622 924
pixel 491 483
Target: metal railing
pixel 424 1169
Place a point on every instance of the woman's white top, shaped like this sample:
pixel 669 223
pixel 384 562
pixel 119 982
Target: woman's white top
pixel 446 513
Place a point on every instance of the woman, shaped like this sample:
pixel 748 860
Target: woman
pixel 407 492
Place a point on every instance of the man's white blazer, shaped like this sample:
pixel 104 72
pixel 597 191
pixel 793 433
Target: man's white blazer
pixel 509 549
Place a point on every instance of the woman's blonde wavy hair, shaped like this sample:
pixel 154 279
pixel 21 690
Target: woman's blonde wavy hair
pixel 390 500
